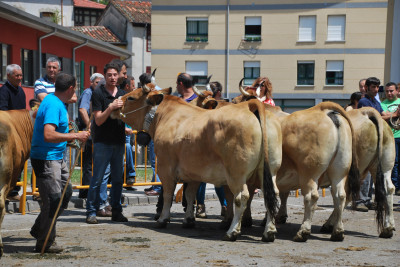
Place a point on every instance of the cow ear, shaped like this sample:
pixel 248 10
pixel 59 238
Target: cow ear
pixel 154 99
pixel 211 104
pixel 166 91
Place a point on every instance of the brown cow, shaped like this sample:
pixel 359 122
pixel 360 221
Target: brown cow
pixel 222 146
pixel 16 131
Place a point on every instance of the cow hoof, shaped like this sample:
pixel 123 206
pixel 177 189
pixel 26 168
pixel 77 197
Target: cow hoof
pixel 281 219
pixel 247 222
pixel 225 225
pixel 231 237
pixel 387 233
pixel 190 223
pixel 270 237
pixel 302 236
pixel 157 216
pixel 338 236
pixel 162 224
pixel 326 228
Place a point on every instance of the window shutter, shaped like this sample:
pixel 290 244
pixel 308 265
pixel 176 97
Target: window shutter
pixel 307 28
pixel 336 28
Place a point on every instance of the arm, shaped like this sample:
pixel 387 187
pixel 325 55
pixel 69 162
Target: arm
pixel 101 116
pixel 52 136
pixel 41 96
pixel 84 116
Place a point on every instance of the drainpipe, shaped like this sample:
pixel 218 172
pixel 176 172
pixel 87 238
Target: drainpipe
pixel 74 110
pixel 144 47
pixel 40 50
pixel 227 52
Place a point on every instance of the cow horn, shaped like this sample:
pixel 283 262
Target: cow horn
pixel 146 89
pixel 241 89
pixel 197 91
pixel 153 76
pixel 208 88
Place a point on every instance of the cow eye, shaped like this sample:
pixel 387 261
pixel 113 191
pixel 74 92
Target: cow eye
pixel 130 98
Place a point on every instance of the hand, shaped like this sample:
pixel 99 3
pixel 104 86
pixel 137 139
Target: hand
pixel 128 131
pixel 83 136
pixel 116 104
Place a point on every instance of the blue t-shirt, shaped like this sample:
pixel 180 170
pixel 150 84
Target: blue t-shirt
pixel 51 111
pixel 370 102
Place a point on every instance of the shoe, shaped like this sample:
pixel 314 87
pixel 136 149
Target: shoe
pixel 15 198
pixel 104 213
pixel 152 193
pixel 371 206
pixel 122 198
pixel 397 192
pixel 37 198
pixel 108 208
pixel 148 189
pixel 117 216
pixel 130 180
pixel 361 207
pixel 91 220
pixel 201 211
pixel 131 188
pixel 53 248
pixel 223 211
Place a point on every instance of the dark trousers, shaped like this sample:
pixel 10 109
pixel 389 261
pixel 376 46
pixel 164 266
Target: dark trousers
pixel 86 168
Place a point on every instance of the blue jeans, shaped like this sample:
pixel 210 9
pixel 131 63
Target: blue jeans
pixel 130 164
pixel 395 171
pixel 201 194
pixel 104 155
pixel 152 155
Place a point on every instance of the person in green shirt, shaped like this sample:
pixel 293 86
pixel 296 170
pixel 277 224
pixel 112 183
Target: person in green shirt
pixel 390 107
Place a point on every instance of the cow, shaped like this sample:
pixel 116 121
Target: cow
pixel 376 154
pixel 16 130
pixel 221 146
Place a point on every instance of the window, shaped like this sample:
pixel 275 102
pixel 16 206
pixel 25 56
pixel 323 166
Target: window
pixel 86 17
pixel 334 72
pixel 92 69
pixel 198 70
pixel 196 29
pixel 27 66
pixel 252 29
pixel 305 72
pixel 336 28
pixel 307 28
pixel 48 16
pixel 4 61
pixel 148 69
pixel 251 71
pixel 148 39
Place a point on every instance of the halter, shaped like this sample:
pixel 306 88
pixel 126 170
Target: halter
pixel 124 114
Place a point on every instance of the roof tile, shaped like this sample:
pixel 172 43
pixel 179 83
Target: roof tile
pixel 88 4
pixel 98 32
pixel 134 11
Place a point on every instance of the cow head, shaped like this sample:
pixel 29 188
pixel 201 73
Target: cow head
pixel 138 104
pixel 247 93
pixel 204 99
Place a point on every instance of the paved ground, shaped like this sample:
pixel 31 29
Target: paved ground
pixel 139 242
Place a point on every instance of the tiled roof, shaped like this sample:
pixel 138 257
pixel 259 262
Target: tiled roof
pixel 98 32
pixel 134 11
pixel 88 4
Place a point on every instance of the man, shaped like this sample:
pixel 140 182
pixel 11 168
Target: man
pixel 108 140
pixel 12 96
pixel 361 87
pixel 128 86
pixel 45 85
pixel 84 105
pixel 50 136
pixel 391 107
pixel 371 88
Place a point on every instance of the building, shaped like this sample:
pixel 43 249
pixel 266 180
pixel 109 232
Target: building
pixel 311 50
pixel 28 41
pixel 86 12
pixel 130 22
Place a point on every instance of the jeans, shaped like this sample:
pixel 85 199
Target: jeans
pixel 395 171
pixel 152 155
pixel 366 190
pixel 130 164
pixel 201 194
pixel 103 155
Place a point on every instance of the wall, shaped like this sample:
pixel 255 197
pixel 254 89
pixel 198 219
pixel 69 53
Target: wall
pixel 135 44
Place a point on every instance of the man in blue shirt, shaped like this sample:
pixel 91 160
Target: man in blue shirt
pixel 50 136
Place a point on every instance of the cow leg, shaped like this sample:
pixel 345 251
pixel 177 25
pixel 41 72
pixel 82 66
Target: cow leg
pixel 168 193
pixel 310 194
pixel 2 213
pixel 282 216
pixel 190 194
pixel 241 199
pixel 339 200
pixel 227 220
pixel 247 220
pixel 388 227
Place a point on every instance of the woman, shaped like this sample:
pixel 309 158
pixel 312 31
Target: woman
pixel 264 90
pixel 354 98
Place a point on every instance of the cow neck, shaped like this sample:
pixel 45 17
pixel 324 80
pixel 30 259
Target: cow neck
pixel 148 118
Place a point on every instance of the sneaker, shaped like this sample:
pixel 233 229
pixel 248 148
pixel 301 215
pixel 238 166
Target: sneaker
pixel 117 216
pixel 148 189
pixel 15 198
pixel 201 211
pixel 397 192
pixel 104 213
pixel 152 193
pixel 361 207
pixel 371 206
pixel 130 180
pixel 91 220
pixel 53 248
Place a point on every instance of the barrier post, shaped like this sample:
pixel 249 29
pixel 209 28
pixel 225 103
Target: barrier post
pixel 145 164
pixel 22 202
pixel 297 193
pixel 81 165
pixel 323 192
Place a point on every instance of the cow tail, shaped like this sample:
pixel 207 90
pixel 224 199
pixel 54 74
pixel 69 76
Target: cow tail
pixel 353 177
pixel 270 196
pixel 380 191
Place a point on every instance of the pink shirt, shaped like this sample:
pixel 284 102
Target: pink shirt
pixel 269 101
